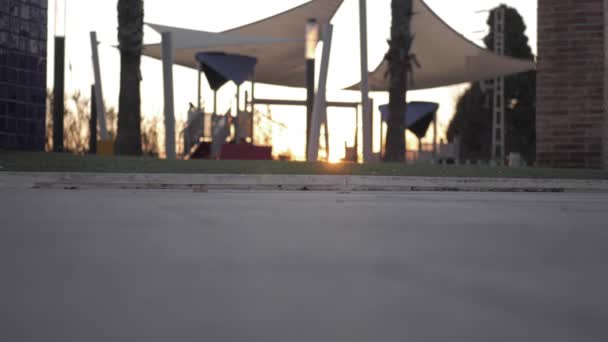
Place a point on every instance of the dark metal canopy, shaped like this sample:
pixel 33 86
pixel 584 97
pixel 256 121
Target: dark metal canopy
pixel 219 68
pixel 419 116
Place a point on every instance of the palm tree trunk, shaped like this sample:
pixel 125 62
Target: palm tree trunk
pixel 130 39
pixel 399 63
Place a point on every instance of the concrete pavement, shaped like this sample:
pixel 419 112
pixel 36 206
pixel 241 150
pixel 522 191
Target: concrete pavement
pixel 126 265
pixel 292 182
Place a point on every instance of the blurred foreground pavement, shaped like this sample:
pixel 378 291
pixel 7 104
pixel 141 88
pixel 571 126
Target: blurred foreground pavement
pixel 105 265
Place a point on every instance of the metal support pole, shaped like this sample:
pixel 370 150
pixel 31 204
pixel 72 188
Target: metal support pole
pixel 199 103
pixel 238 100
pixel 405 132
pixel 382 138
pixel 311 36
pixel 199 91
pixel 252 106
pixel 357 136
pixel 380 133
pixel 238 131
pixel 93 123
pixel 100 107
pixel 167 55
pixel 247 116
pixel 58 94
pixel 498 120
pixel 435 139
pixel 320 106
pixel 371 128
pixel 326 126
pixel 367 113
pixel 310 97
pixel 214 116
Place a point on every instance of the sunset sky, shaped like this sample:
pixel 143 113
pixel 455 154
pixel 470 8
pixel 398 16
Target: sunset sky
pixel 85 16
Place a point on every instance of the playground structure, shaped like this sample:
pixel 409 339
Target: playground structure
pixel 275 51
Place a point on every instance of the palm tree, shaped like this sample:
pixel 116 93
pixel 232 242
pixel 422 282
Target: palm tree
pixel 399 60
pixel 130 40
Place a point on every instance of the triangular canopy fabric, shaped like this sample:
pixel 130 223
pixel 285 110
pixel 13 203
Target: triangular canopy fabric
pixel 446 57
pixel 221 68
pixel 277 42
pixel 193 39
pixel 418 118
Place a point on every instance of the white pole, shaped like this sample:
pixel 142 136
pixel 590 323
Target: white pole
pixel 367 111
pixel 326 132
pixel 320 106
pixel 167 51
pixel 101 111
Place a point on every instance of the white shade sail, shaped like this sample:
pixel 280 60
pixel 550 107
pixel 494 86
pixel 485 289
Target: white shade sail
pixel 277 42
pixel 185 39
pixel 446 57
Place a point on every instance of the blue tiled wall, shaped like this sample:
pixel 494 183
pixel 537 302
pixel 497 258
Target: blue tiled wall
pixel 23 30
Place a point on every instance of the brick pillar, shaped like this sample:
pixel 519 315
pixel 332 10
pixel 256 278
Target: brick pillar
pixel 571 120
pixel 605 84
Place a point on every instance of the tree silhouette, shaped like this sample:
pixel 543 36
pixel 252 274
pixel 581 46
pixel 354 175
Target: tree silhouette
pixel 130 40
pixel 77 131
pixel 472 123
pixel 399 60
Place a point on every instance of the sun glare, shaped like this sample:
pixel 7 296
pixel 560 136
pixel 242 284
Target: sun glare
pixel 335 160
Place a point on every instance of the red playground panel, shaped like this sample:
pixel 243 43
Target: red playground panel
pixel 245 152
